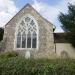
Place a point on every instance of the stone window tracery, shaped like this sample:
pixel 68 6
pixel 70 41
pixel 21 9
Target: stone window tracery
pixel 27 33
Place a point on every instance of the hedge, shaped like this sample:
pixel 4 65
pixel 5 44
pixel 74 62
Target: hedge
pixel 20 66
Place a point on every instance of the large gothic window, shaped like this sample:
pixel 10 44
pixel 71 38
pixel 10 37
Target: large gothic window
pixel 27 33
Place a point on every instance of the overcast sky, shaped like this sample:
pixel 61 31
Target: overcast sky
pixel 50 9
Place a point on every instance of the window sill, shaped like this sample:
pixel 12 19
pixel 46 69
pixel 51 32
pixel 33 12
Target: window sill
pixel 25 49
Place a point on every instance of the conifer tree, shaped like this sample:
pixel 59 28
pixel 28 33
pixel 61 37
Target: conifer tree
pixel 68 23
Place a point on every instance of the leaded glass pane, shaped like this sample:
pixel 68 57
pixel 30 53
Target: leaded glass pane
pixel 27 19
pixel 24 28
pixel 23 40
pixel 34 34
pixel 18 41
pixel 34 39
pixel 19 28
pixel 22 23
pixel 32 23
pixel 29 40
pixel 19 34
pixel 34 42
pixel 34 28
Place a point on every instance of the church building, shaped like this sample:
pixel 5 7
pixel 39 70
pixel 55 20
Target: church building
pixel 32 36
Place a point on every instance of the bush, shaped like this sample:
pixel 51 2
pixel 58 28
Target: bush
pixel 21 66
pixel 8 54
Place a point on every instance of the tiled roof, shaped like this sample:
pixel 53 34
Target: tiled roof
pixel 60 38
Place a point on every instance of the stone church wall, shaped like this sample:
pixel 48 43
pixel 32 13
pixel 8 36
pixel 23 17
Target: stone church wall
pixel 2 46
pixel 46 39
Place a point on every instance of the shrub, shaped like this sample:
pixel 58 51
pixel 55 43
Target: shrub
pixel 8 54
pixel 21 66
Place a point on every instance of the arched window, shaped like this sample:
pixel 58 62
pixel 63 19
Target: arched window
pixel 27 33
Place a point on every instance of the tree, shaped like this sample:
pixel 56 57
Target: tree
pixel 1 33
pixel 68 23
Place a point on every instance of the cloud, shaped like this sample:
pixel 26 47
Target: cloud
pixel 47 11
pixel 51 12
pixel 7 11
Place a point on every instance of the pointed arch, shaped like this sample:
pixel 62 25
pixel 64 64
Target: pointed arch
pixel 28 29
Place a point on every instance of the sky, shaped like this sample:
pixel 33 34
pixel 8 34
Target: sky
pixel 49 9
